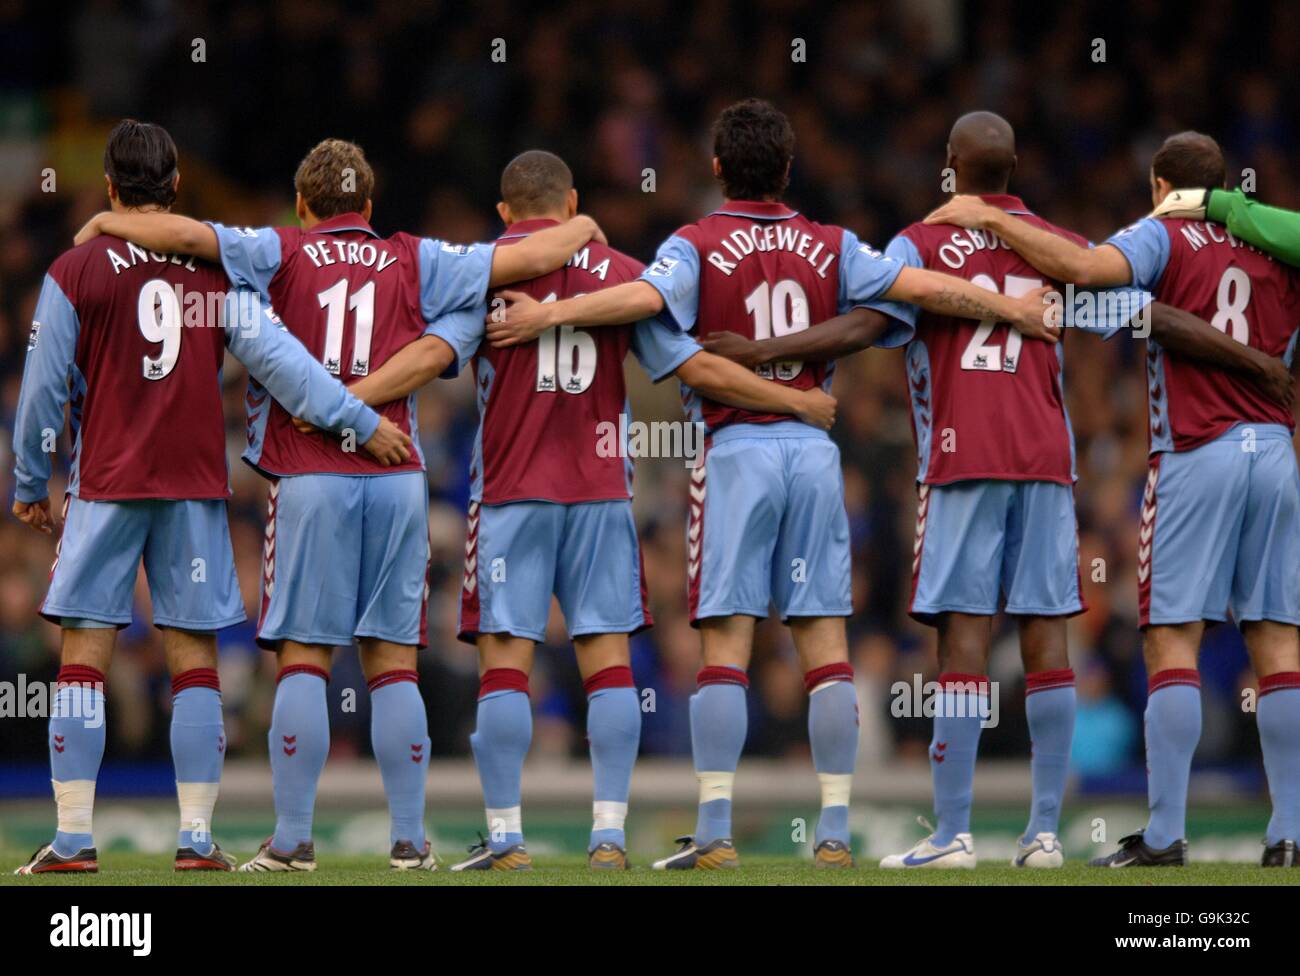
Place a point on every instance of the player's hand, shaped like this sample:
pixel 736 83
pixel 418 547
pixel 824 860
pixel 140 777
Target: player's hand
pixel 1277 382
pixel 514 318
pixel 733 346
pixel 818 408
pixel 1038 318
pixel 302 427
pixel 597 234
pixel 36 514
pixel 89 230
pixel 1187 204
pixel 964 211
pixel 388 444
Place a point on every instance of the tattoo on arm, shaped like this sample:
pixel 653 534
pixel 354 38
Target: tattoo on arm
pixel 962 306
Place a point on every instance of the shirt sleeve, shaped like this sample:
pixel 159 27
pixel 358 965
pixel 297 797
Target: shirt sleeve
pixel 1273 229
pixel 661 349
pixel 463 330
pixel 51 351
pixel 283 365
pixel 453 276
pixel 903 314
pixel 1145 245
pixel 675 274
pixel 865 273
pixel 250 256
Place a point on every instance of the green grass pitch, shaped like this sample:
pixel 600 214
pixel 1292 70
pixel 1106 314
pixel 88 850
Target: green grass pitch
pixel 352 869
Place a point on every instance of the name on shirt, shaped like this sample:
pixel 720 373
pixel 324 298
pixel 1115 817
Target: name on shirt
pixel 582 260
pixel 1199 235
pixel 324 253
pixel 138 255
pixel 764 238
pixel 963 243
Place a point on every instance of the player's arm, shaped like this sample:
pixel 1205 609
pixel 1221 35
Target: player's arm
pixel 301 385
pixel 1271 229
pixel 897 279
pixel 1053 255
pixel 727 382
pixel 663 350
pixel 1191 337
pixel 544 251
pixel 410 368
pixel 162 232
pixel 38 422
pixel 842 335
pixel 444 349
pixel 948 295
pixel 519 318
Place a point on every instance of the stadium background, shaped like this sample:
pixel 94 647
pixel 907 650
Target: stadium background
pixel 616 87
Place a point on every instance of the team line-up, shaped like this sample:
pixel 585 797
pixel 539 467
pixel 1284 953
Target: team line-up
pixel 749 307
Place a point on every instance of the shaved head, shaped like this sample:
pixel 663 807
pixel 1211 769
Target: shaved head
pixel 982 152
pixel 534 183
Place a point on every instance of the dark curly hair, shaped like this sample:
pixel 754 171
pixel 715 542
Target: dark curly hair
pixel 140 161
pixel 754 143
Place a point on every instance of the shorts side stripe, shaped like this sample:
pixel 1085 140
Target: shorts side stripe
pixel 1146 541
pixel 695 531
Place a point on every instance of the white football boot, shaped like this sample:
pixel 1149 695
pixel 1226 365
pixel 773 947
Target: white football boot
pixel 926 854
pixel 1044 851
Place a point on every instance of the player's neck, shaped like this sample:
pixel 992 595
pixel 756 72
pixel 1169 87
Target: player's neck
pixel 556 216
pixel 144 208
pixel 982 191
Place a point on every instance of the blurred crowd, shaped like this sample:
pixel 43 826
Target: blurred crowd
pixel 442 94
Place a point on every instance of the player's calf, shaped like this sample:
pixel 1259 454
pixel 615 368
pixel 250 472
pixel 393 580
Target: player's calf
pixel 399 737
pixel 614 735
pixel 833 733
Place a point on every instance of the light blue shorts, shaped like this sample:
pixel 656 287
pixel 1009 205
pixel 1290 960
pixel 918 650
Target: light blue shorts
pixel 982 546
pixel 346 556
pixel 767 525
pixel 518 554
pixel 185 546
pixel 1220 531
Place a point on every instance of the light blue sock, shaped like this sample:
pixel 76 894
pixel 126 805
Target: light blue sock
pixel 198 739
pixel 299 742
pixel 501 738
pixel 77 736
pixel 1050 712
pixel 952 755
pixel 1173 727
pixel 833 732
pixel 1278 717
pixel 614 734
pixel 719 723
pixel 399 736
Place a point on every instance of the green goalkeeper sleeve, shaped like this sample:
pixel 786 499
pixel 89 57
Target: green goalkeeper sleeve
pixel 1272 229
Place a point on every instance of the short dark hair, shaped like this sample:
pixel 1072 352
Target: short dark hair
pixel 140 162
pixel 535 182
pixel 1190 159
pixel 754 143
pixel 335 178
